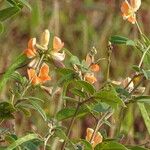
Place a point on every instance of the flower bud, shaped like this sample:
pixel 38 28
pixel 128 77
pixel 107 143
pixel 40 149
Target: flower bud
pixel 95 67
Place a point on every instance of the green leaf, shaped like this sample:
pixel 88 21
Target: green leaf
pixel 25 110
pixel 101 107
pixel 143 99
pixel 60 132
pixel 21 141
pixel 69 112
pixel 25 3
pixel 145 116
pixel 70 99
pixel 12 2
pixel 118 39
pixel 37 107
pixel 86 145
pixel 31 145
pixel 146 74
pixel 65 113
pixel 121 40
pixel 110 145
pixel 18 61
pixel 8 12
pixel 130 43
pixel 89 88
pixel 35 98
pixel 78 92
pixel 65 71
pixel 10 138
pixel 109 95
pixel 74 60
pixel 6 110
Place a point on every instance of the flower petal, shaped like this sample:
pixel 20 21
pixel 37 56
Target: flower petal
pixel 90 78
pixel 125 7
pixel 43 74
pixel 58 56
pixel 45 38
pixel 31 43
pixel 32 76
pixel 29 53
pixel 135 4
pixel 132 19
pixel 95 67
pixel 96 139
pixel 57 44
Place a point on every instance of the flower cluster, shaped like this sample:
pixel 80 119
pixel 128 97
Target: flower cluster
pixel 129 10
pixel 96 139
pixel 37 52
pixel 93 67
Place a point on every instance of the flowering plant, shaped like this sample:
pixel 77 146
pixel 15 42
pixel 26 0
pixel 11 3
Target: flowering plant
pixel 74 86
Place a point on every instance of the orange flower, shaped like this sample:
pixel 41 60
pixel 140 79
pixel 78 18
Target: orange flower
pixel 90 78
pixel 129 9
pixel 95 67
pixel 32 76
pixel 96 139
pixel 42 77
pixel 31 51
pixel 57 46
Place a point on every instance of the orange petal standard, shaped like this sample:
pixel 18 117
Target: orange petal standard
pixel 96 139
pixel 32 76
pixel 57 44
pixel 90 78
pixel 43 74
pixel 31 51
pixel 42 77
pixel 129 9
pixel 95 67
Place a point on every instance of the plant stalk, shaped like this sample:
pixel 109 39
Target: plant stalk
pixel 71 125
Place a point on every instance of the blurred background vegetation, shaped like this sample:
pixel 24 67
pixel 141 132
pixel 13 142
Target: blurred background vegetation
pixel 81 24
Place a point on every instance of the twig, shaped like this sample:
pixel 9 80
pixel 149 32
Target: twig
pixel 109 60
pixel 139 28
pixel 70 126
pixel 99 123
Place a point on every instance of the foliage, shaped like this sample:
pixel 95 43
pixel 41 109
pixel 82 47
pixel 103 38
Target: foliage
pixel 75 89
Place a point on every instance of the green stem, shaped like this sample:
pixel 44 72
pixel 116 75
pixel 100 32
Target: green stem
pixel 71 125
pixel 139 28
pixel 143 56
pixel 46 140
pixel 109 61
pixel 99 123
